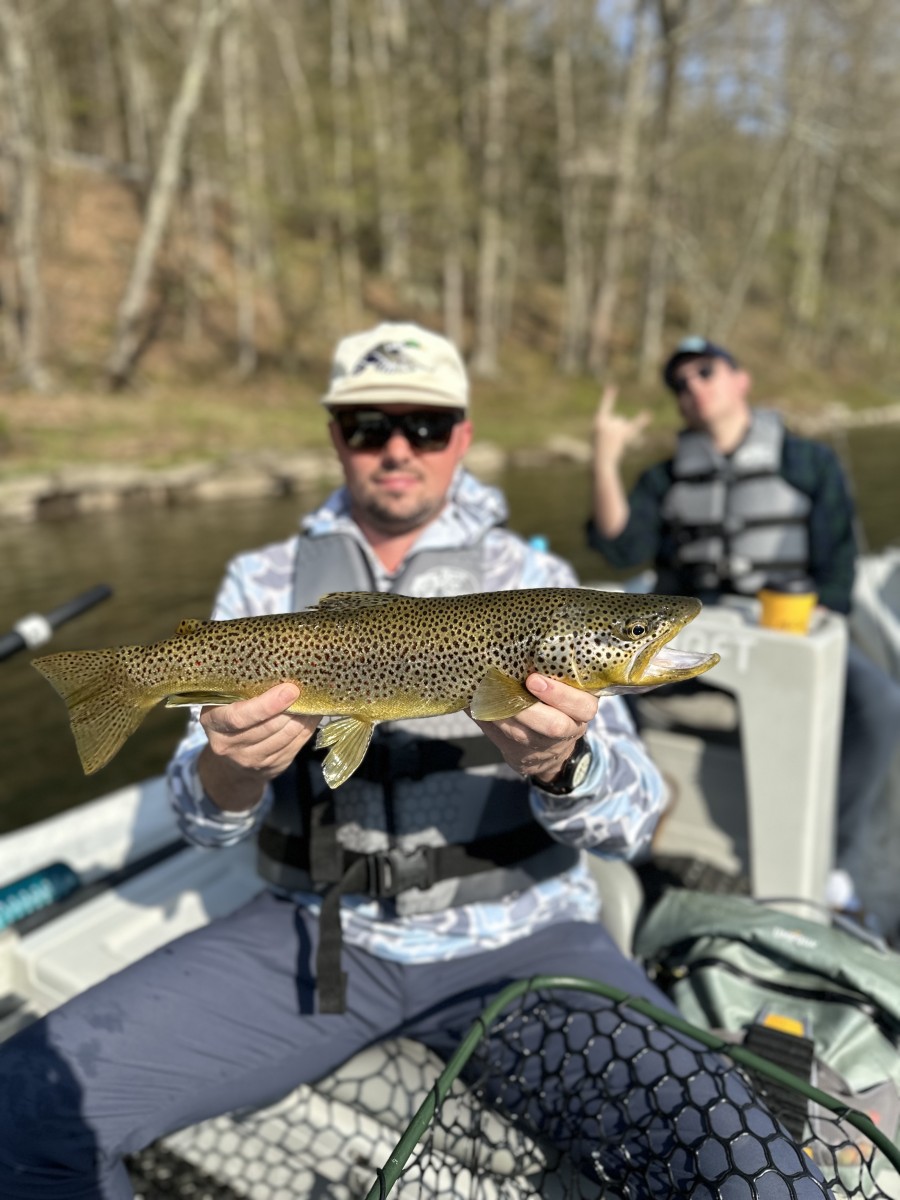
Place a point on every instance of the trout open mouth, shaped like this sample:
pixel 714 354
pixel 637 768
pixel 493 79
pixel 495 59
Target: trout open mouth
pixel 659 663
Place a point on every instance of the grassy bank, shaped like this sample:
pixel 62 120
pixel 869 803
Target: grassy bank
pixel 160 423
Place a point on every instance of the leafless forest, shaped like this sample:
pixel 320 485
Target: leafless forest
pixel 252 176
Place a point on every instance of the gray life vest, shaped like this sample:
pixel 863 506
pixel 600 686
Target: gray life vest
pixel 736 523
pixel 440 817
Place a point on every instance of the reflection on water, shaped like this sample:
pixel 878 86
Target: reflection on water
pixel 165 564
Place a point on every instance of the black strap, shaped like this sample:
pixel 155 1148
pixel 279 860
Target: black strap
pixel 389 872
pixel 385 874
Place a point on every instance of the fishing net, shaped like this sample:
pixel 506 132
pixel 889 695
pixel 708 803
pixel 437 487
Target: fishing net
pixel 458 1145
pixel 397 1122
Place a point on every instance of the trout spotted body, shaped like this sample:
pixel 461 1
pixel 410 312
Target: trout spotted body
pixel 365 657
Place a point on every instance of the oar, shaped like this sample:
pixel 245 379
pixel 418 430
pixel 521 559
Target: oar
pixel 34 629
pixel 42 895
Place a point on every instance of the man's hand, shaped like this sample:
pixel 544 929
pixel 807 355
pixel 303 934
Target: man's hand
pixel 539 741
pixel 613 433
pixel 250 742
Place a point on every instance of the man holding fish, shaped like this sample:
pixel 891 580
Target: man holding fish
pixel 426 846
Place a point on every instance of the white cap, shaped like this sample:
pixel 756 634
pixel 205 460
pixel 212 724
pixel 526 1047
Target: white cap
pixel 397 364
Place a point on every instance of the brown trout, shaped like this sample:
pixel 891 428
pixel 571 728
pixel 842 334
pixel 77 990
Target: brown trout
pixel 365 657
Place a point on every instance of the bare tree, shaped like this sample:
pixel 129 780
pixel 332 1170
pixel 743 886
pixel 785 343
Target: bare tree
pixel 490 222
pixel 310 149
pixel 137 89
pixel 381 46
pixel 344 197
pixel 623 197
pixel 127 342
pixel 26 200
pixel 574 186
pixel 671 14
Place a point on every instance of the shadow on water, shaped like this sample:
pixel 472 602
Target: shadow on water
pixel 165 564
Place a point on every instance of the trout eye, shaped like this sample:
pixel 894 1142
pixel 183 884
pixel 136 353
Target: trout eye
pixel 637 630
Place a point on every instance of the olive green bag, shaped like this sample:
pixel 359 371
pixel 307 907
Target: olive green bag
pixel 821 1001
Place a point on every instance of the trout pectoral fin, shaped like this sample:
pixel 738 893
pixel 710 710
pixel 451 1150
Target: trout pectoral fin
pixel 498 696
pixel 186 699
pixel 349 739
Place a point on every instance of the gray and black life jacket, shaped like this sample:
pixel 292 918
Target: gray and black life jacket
pixel 433 817
pixel 735 522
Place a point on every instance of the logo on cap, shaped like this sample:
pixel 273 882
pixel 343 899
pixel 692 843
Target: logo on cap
pixel 388 357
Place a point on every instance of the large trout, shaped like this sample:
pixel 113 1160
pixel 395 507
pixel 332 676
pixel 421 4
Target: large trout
pixel 365 657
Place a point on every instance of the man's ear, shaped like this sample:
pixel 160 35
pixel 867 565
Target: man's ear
pixel 463 433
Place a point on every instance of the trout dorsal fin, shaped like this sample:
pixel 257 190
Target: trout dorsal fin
pixel 358 600
pixel 498 696
pixel 189 625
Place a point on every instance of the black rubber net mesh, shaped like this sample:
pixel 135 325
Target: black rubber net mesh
pixel 469 1150
pixel 334 1140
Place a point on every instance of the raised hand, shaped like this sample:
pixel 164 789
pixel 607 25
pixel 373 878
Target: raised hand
pixel 613 433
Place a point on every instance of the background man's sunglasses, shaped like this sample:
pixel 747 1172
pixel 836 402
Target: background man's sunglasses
pixel 682 382
pixel 372 428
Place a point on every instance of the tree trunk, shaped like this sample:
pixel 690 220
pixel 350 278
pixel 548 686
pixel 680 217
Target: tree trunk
pixel 574 197
pixel 234 114
pixel 754 247
pixel 26 205
pixel 344 194
pixel 622 203
pixel 490 240
pixel 127 342
pixel 453 269
pixel 137 90
pixel 383 70
pixel 311 154
pixel 671 16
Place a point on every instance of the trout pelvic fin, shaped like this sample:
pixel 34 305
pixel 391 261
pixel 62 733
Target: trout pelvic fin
pixel 349 739
pixel 498 696
pixel 186 699
pixel 105 706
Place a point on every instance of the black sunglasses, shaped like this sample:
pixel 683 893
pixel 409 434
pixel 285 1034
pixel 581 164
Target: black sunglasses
pixel 372 428
pixel 683 382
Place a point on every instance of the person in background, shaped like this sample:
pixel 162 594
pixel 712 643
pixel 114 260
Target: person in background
pixel 329 959
pixel 745 503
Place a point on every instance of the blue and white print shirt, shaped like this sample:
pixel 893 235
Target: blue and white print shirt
pixel 612 813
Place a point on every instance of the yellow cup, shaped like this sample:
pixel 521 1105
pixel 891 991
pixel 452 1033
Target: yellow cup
pixel 788 611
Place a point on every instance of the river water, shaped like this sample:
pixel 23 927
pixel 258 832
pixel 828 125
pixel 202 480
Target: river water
pixel 165 564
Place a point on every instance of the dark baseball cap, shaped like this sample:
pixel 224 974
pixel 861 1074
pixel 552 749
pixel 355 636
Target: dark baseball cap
pixel 694 347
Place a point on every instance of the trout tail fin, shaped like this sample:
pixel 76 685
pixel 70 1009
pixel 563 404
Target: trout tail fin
pixel 105 704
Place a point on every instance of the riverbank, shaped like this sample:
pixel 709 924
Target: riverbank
pixel 74 490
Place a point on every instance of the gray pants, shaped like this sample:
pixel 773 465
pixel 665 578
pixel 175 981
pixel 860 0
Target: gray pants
pixel 869 740
pixel 225 1018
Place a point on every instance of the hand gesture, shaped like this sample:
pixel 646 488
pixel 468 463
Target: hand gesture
pixel 613 433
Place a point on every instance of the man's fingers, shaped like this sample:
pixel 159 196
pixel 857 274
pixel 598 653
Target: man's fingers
pixel 244 714
pixel 608 399
pixel 573 702
pixel 641 421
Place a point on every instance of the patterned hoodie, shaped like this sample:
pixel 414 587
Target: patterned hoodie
pixel 612 813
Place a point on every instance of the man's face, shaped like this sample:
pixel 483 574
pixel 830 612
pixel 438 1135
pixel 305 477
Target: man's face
pixel 709 390
pixel 402 484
